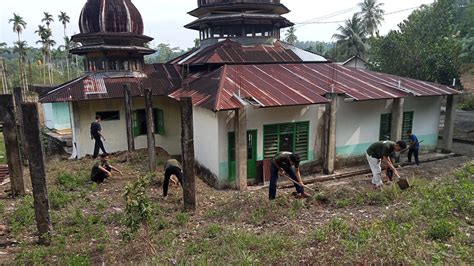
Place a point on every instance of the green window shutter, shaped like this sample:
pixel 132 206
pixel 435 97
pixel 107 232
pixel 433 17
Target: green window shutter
pixel 270 141
pixel 385 126
pixel 231 146
pixel 159 121
pixel 302 140
pixel 135 126
pixel 407 124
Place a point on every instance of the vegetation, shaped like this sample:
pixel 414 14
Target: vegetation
pixel 3 157
pixel 428 224
pixel 467 104
pixel 290 36
pixel 352 37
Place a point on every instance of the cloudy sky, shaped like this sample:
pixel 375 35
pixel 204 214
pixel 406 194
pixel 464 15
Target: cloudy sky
pixel 164 19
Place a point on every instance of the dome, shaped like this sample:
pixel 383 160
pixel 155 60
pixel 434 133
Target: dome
pixel 117 16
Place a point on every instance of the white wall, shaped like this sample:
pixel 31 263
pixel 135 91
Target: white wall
pixel 206 141
pixel 358 123
pixel 257 118
pixel 115 131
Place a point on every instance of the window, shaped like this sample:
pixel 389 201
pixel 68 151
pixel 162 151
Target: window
pixel 386 125
pixel 293 137
pixel 109 115
pixel 140 125
pixel 407 124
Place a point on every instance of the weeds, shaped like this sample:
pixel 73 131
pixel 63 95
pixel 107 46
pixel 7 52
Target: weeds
pixel 182 218
pixel 24 215
pixel 441 230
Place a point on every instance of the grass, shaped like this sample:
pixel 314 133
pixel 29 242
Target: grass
pixel 427 224
pixel 3 157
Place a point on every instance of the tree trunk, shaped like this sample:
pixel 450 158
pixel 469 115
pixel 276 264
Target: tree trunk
pixel 129 118
pixel 37 172
pixel 187 146
pixel 150 123
pixel 18 99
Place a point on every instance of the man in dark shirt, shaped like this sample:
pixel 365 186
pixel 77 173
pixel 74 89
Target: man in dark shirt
pixel 414 147
pixel 381 152
pixel 102 169
pixel 96 134
pixel 282 163
pixel 172 167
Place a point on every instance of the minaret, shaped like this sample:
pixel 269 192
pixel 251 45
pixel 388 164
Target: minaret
pixel 112 38
pixel 246 21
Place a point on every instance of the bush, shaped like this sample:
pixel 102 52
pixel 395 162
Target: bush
pixel 467 104
pixel 71 182
pixel 441 230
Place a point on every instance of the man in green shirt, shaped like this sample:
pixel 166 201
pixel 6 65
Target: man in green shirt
pixel 172 167
pixel 102 169
pixel 380 152
pixel 281 164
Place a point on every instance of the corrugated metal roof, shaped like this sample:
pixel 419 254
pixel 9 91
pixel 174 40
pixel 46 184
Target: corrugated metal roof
pixel 271 85
pixel 160 77
pixel 232 52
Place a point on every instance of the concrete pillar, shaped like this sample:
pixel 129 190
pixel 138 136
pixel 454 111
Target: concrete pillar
pixel 397 119
pixel 150 123
pixel 330 139
pixel 241 148
pixel 448 130
pixel 187 146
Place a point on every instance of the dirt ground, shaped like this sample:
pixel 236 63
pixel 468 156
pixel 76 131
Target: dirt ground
pixel 233 209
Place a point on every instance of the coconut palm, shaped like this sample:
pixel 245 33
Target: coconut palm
pixel 48 18
pixel 64 19
pixel 290 36
pixel 351 36
pixel 372 15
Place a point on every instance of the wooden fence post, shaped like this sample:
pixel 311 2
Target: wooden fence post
pixel 12 147
pixel 150 123
pixel 129 118
pixel 187 146
pixel 18 99
pixel 37 171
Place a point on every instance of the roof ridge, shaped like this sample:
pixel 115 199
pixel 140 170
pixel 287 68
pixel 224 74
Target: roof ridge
pixel 219 87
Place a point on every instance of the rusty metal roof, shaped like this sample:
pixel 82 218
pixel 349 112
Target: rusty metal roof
pixel 232 52
pixel 161 78
pixel 271 85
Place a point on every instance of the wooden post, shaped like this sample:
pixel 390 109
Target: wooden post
pixel 241 148
pixel 396 133
pixel 18 99
pixel 330 140
pixel 12 146
pixel 448 130
pixel 37 171
pixel 129 118
pixel 150 123
pixel 187 146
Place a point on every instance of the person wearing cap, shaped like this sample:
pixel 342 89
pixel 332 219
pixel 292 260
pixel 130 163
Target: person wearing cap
pixel 282 163
pixel 380 152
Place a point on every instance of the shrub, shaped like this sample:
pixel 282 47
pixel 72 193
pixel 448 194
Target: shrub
pixel 467 104
pixel 441 230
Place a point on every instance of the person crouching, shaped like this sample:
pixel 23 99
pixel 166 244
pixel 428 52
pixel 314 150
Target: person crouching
pixel 102 169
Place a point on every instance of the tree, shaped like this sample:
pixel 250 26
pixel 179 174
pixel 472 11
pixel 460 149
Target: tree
pixel 290 36
pixel 3 75
pixel 351 37
pixel 48 18
pixel 19 25
pixel 372 15
pixel 425 47
pixel 197 43
pixel 43 33
pixel 64 19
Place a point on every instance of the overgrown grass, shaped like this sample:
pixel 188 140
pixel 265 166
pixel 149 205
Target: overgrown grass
pixel 467 104
pixel 3 157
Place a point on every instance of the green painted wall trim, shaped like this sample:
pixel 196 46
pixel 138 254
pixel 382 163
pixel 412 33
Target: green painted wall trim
pixel 223 172
pixel 429 143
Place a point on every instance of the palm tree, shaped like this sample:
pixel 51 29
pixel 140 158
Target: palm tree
pixel 21 48
pixel 3 75
pixel 43 33
pixel 48 18
pixel 290 36
pixel 372 15
pixel 18 24
pixel 352 36
pixel 64 19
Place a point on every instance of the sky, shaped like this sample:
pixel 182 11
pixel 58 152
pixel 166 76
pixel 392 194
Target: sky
pixel 164 19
